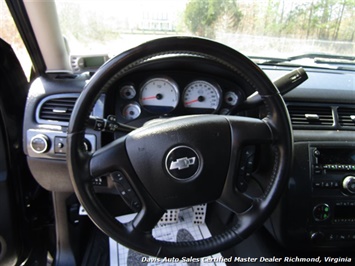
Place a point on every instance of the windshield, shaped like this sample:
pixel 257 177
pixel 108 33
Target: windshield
pixel 260 28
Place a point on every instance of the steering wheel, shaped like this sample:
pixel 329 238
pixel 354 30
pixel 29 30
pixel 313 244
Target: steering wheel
pixel 182 161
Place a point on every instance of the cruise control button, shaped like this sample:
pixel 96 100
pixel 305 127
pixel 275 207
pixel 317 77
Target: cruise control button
pixel 126 191
pixel 316 184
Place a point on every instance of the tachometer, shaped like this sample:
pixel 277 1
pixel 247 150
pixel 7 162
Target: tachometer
pixel 159 95
pixel 202 94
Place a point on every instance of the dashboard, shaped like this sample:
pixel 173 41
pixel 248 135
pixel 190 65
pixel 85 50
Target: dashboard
pixel 174 90
pixel 317 209
pixel 141 97
pixel 162 95
pixel 155 90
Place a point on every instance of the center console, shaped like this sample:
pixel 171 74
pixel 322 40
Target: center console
pixel 318 209
pixel 333 194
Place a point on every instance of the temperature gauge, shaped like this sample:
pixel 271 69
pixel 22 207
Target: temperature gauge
pixel 131 111
pixel 231 98
pixel 128 92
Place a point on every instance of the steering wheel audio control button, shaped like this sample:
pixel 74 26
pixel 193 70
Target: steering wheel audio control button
pixel 246 168
pixel 126 191
pixel 182 162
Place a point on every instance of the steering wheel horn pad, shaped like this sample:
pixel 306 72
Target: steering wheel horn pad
pixel 149 149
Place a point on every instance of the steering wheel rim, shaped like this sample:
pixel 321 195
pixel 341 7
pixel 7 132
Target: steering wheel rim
pixel 137 235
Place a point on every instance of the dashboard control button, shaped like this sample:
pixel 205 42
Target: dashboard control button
pixel 317 169
pixel 99 181
pixel 321 212
pixel 349 184
pixel 317 184
pixel 316 153
pixel 40 143
pixel 317 237
pixel 60 145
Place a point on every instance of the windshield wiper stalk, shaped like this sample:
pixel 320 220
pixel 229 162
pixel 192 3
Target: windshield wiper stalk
pixel 109 125
pixel 284 84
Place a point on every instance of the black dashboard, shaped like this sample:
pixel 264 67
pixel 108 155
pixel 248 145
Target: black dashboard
pixel 175 94
pixel 175 88
pixel 318 209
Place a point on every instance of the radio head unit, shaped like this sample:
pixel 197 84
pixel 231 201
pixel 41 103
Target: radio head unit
pixel 333 167
pixel 333 158
pixel 319 206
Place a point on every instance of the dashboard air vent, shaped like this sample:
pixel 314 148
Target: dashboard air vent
pixel 311 115
pixel 57 109
pixel 346 116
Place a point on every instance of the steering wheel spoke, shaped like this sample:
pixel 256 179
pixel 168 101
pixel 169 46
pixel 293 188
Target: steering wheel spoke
pixel 235 200
pixel 147 218
pixel 249 131
pixel 108 159
pixel 246 134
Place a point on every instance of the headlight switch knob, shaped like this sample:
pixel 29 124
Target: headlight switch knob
pixel 40 143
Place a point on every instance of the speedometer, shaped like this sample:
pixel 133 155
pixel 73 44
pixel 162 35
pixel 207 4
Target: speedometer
pixel 159 95
pixel 202 94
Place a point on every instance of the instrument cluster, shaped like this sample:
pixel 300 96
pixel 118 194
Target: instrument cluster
pixel 166 96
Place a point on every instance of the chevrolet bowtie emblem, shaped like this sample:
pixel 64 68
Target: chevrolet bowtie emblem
pixel 182 163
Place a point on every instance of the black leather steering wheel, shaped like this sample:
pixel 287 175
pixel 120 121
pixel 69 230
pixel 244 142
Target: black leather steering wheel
pixel 147 158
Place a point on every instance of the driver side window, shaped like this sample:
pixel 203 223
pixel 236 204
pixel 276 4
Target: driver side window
pixel 10 34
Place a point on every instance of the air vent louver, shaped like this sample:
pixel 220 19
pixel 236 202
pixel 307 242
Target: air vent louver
pixel 311 115
pixel 346 116
pixel 57 109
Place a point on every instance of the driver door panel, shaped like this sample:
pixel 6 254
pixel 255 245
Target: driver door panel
pixel 12 168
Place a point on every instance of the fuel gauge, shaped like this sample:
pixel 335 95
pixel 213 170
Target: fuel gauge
pixel 131 111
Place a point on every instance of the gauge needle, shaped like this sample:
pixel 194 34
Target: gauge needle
pixel 149 98
pixel 158 97
pixel 193 101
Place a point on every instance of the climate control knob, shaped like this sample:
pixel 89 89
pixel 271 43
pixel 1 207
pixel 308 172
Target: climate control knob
pixel 317 237
pixel 40 143
pixel 321 212
pixel 349 184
